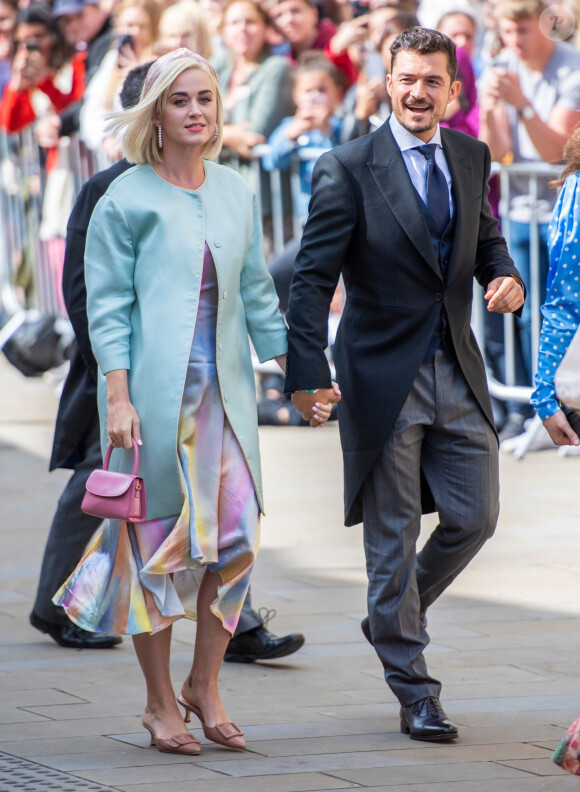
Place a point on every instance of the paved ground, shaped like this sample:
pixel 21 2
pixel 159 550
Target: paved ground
pixel 505 642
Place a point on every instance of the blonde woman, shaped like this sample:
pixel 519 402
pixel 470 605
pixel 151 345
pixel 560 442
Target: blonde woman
pixel 176 280
pixel 184 25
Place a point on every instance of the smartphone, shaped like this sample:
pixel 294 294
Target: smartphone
pixel 374 67
pixel 360 7
pixel 126 40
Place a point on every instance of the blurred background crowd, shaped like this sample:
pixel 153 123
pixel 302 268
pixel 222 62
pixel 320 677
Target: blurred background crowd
pixel 298 77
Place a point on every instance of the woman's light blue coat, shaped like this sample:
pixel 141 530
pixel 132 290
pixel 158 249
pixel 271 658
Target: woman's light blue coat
pixel 143 267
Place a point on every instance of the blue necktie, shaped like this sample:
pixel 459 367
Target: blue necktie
pixel 437 189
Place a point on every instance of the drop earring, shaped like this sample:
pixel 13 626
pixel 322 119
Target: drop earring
pixel 160 136
pixel 215 137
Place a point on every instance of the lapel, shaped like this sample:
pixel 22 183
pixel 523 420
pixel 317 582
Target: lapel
pixel 389 171
pixel 461 169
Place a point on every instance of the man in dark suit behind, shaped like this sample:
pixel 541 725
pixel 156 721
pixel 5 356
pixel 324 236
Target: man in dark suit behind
pixel 408 225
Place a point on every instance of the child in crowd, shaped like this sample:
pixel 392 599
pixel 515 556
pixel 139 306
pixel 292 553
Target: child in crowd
pixel 318 91
pixel 317 94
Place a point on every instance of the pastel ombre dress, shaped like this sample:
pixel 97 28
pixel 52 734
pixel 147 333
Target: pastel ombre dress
pixel 137 578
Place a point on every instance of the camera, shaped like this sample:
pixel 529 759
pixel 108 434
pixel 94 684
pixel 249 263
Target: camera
pixel 126 40
pixel 360 7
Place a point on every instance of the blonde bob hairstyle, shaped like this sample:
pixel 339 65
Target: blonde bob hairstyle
pixel 136 125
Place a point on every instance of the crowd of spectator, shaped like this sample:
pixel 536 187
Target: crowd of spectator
pixel 298 74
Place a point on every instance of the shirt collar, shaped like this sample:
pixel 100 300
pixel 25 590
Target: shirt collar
pixel 405 140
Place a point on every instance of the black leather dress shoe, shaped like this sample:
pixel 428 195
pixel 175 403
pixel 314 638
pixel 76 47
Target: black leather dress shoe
pixel 261 644
pixel 71 636
pixel 426 720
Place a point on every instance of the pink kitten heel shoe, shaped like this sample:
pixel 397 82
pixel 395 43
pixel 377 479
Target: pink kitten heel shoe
pixel 185 744
pixel 227 734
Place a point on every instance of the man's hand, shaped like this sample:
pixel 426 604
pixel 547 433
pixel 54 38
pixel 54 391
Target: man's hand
pixel 505 295
pixel 560 431
pixel 316 407
pixel 506 85
pixel 47 130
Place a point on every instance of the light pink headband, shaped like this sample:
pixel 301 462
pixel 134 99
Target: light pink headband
pixel 162 62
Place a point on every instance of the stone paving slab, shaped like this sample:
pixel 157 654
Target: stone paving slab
pixel 541 767
pixel 484 772
pixel 162 775
pixel 564 783
pixel 300 782
pixel 366 759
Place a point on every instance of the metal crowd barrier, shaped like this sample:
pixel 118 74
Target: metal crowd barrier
pixel 509 391
pixel 33 210
pixel 31 259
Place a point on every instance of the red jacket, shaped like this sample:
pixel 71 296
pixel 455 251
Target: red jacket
pixel 16 109
pixel 342 61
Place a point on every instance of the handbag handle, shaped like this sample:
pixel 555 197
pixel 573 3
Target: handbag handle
pixel 109 451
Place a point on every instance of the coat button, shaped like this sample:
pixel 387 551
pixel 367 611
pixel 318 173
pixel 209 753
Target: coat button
pixel 225 397
pixel 219 347
pixel 225 294
pixel 438 297
pixel 217 243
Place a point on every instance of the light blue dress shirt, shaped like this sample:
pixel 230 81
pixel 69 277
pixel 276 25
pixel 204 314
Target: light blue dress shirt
pixel 561 311
pixel 416 162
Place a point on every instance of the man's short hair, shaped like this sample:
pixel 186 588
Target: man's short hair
pixel 425 42
pixel 464 12
pixel 268 5
pixel 133 85
pixel 516 10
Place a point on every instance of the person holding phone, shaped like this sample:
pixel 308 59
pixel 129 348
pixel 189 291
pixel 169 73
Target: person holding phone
pixel 367 104
pixel 41 54
pixel 136 27
pixel 318 92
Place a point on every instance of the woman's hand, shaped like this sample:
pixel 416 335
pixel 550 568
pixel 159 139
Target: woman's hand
pixel 242 139
pixel 369 94
pixel 28 69
pixel 112 148
pixel 355 31
pixel 47 130
pixel 122 419
pixel 560 431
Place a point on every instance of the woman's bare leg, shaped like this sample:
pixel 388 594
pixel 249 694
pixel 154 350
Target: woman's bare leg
pixel 211 640
pixel 153 652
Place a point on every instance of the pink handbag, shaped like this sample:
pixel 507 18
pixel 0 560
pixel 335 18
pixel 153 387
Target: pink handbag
pixel 116 496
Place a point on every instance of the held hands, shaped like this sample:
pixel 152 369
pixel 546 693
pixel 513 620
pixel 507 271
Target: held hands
pixel 316 407
pixel 560 430
pixel 504 295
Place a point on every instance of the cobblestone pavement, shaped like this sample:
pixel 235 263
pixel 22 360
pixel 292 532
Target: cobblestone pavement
pixel 504 642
